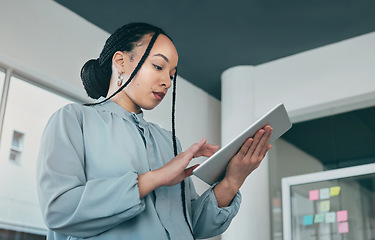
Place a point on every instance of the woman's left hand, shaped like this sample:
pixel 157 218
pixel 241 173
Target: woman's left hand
pixel 249 157
pixel 242 164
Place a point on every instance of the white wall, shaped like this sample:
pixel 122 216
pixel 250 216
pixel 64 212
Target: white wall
pixel 44 39
pixel 336 78
pixel 332 79
pixel 49 44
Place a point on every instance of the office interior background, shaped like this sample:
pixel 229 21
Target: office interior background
pixel 236 63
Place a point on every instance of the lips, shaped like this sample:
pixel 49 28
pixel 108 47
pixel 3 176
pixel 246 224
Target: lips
pixel 159 95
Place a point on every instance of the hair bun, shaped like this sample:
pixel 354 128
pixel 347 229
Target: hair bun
pixel 94 79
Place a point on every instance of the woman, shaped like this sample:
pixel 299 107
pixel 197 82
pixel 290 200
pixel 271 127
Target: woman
pixel 106 173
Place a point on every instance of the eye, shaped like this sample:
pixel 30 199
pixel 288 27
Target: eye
pixel 171 77
pixel 157 67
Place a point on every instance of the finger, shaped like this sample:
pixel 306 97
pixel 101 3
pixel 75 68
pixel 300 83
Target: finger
pixel 190 170
pixel 212 147
pixel 265 150
pixel 255 143
pixel 207 150
pixel 263 143
pixel 245 148
pixel 195 148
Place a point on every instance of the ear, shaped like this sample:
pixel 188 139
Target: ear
pixel 118 61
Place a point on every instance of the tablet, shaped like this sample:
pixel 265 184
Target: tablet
pixel 213 169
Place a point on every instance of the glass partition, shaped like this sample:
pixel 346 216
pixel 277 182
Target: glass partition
pixel 337 204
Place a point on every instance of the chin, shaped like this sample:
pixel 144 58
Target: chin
pixel 149 107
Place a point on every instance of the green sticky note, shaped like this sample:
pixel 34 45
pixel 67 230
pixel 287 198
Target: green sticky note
pixel 325 206
pixel 319 218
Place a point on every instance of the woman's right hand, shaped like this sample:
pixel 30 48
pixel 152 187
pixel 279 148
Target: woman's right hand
pixel 174 171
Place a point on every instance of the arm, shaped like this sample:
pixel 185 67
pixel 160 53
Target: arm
pixel 70 203
pixel 209 220
pixel 213 211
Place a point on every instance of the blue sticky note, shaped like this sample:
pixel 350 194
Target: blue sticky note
pixel 308 220
pixel 324 193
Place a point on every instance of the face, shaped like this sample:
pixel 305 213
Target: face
pixel 153 79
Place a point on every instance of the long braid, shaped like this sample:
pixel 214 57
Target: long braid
pixel 139 65
pixel 173 114
pixel 183 198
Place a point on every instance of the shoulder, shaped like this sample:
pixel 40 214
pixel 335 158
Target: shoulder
pixel 68 116
pixel 74 110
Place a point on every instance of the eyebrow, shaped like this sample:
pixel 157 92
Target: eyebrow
pixel 162 56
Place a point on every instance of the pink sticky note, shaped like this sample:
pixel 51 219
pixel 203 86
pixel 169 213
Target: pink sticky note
pixel 342 216
pixel 314 195
pixel 343 227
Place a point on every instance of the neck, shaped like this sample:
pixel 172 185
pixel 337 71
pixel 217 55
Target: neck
pixel 123 100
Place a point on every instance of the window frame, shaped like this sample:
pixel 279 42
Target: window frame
pixel 44 82
pixel 35 81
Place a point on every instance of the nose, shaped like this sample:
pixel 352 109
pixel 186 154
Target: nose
pixel 166 82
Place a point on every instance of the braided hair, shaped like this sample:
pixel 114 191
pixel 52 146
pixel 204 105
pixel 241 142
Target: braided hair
pixel 96 74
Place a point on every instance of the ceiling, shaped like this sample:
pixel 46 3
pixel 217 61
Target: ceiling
pixel 214 35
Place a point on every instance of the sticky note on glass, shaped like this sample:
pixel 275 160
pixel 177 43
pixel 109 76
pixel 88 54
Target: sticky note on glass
pixel 330 217
pixel 314 195
pixel 343 227
pixel 324 193
pixel 325 206
pixel 308 220
pixel 319 218
pixel 334 191
pixel 342 216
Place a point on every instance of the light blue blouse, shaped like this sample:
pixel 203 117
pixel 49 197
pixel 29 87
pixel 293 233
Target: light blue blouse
pixel 88 165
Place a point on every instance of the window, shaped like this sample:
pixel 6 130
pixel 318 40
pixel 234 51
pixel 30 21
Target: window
pixel 16 147
pixel 27 111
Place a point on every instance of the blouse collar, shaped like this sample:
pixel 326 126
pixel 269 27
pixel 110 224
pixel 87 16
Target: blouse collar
pixel 113 107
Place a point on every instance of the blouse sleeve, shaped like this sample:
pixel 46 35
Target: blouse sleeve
pixel 70 204
pixel 208 219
